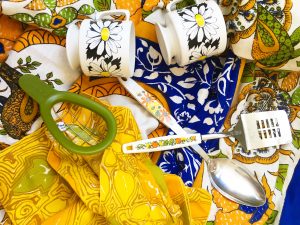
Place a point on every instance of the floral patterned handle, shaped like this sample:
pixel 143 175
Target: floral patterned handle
pixel 124 12
pixel 162 143
pixel 151 104
pixel 168 142
pixel 157 110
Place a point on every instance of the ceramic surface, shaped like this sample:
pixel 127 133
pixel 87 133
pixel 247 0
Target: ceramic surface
pixel 103 47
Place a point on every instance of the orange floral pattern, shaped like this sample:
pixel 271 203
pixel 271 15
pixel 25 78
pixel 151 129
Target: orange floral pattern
pixel 10 30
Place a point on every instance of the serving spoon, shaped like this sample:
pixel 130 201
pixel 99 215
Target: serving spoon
pixel 232 180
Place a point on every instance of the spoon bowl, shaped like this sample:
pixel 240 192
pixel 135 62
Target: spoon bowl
pixel 235 182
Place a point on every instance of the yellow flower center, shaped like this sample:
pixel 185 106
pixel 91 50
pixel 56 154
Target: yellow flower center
pixel 105 74
pixel 105 33
pixel 200 20
pixel 202 57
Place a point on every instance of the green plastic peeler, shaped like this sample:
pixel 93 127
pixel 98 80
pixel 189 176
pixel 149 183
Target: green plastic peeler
pixel 47 97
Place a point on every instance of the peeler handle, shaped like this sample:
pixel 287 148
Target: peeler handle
pixel 36 88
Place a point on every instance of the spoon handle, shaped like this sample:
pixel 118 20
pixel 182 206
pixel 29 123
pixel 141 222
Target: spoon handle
pixel 153 106
pixel 163 143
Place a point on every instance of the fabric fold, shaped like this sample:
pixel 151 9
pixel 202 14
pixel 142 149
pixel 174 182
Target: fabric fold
pixel 48 184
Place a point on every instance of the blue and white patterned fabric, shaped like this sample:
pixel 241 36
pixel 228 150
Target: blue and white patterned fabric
pixel 199 96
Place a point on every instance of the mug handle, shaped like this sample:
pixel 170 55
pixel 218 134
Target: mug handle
pixel 114 12
pixel 169 7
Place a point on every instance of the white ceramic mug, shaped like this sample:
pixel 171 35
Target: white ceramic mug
pixel 192 33
pixel 103 47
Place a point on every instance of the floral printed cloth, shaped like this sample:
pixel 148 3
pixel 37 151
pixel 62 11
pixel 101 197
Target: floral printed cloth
pixel 40 53
pixel 267 32
pixel 10 30
pixel 204 97
pixel 52 15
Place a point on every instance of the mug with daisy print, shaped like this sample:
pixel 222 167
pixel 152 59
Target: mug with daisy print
pixel 103 47
pixel 192 33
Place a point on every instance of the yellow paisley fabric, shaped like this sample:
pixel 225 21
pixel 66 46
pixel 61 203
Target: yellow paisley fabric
pixel 43 183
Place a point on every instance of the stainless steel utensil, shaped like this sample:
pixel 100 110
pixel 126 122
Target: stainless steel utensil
pixel 253 130
pixel 232 180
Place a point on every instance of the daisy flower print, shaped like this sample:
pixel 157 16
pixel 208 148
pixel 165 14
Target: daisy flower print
pixel 206 49
pixel 200 24
pixel 106 67
pixel 103 38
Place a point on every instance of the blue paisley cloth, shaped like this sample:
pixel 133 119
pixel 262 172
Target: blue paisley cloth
pixel 199 97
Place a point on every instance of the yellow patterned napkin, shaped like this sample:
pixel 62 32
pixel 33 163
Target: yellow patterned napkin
pixel 30 190
pixel 43 183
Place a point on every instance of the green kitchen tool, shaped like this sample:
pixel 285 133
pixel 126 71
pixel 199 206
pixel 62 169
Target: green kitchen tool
pixel 47 97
